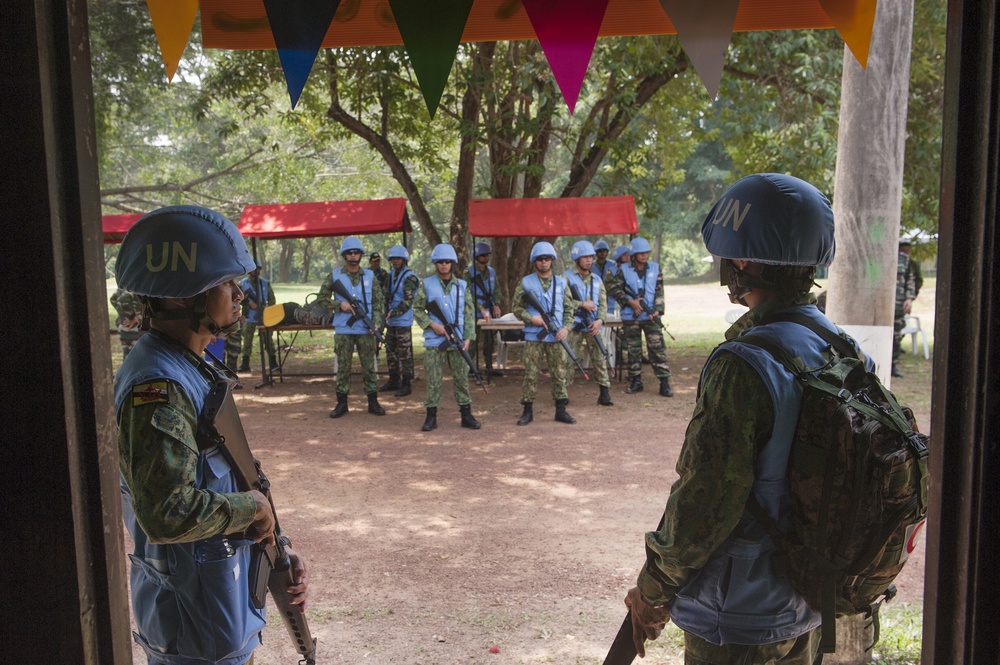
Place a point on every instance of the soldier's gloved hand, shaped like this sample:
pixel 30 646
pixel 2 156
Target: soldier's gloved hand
pixel 263 520
pixel 647 621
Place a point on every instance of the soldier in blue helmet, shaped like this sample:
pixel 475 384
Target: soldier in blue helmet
pixel 257 295
pixel 605 268
pixel 588 320
pixel 192 529
pixel 709 568
pixel 401 286
pixel 488 293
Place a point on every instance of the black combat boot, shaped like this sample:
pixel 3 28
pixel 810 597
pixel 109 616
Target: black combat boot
pixel 468 420
pixel 561 414
pixel 635 386
pixel 341 408
pixel 373 405
pixel 527 416
pixel 272 362
pixel 392 384
pixel 665 389
pixel 431 422
pixel 245 365
pixel 404 387
pixel 604 399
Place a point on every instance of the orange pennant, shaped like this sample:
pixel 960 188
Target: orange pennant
pixel 172 21
pixel 854 20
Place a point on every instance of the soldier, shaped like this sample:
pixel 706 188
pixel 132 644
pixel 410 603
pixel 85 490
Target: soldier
pixel 401 287
pixel 487 293
pixel 257 296
pixel 906 292
pixel 590 314
pixel 453 297
pixel 639 282
pixel 539 341
pixel 129 309
pixel 710 567
pixel 192 529
pixel 605 269
pixel 381 274
pixel 351 331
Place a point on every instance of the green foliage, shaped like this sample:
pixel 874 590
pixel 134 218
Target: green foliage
pixel 900 636
pixel 682 257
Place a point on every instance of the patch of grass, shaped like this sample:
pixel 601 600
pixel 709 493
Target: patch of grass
pixel 901 635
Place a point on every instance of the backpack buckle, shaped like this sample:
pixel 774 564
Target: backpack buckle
pixel 845 395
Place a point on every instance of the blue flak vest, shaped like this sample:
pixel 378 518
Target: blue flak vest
pixel 606 272
pixel 256 315
pixel 452 304
pixel 363 292
pixel 590 291
pixel 395 296
pixel 478 292
pixel 551 300
pixel 187 611
pixel 737 597
pixel 644 290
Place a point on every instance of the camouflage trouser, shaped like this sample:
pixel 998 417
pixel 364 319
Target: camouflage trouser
pixel 555 356
pixel 234 344
pixel 598 363
pixel 484 344
pixel 344 346
pixel 898 323
pixel 655 347
pixel 399 351
pixel 248 331
pixel 801 650
pixel 434 362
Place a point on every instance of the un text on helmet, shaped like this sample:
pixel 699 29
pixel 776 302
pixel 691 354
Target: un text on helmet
pixel 729 209
pixel 172 253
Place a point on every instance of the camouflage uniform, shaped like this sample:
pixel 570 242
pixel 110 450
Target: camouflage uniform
pixel 487 341
pixel 435 360
pixel 632 331
pixel 552 353
pixel 345 345
pixel 129 309
pixel 399 339
pixel 249 286
pixel 578 339
pixel 906 289
pixel 733 418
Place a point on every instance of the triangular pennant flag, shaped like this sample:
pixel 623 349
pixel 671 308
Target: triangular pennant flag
pixel 854 20
pixel 172 22
pixel 704 29
pixel 567 31
pixel 298 27
pixel 431 31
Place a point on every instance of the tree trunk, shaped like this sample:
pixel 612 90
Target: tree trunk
pixel 306 260
pixel 868 192
pixel 285 261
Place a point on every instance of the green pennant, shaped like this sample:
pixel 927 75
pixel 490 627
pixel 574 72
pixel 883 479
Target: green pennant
pixel 431 31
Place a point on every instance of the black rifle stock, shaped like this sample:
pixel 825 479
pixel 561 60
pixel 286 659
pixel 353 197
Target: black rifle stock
pixel 622 651
pixel 359 311
pixel 531 299
pixel 455 340
pixel 588 319
pixel 649 311
pixel 270 567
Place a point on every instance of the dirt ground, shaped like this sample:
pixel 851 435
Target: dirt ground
pixel 432 548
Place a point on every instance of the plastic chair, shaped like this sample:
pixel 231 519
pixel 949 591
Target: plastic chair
pixel 912 328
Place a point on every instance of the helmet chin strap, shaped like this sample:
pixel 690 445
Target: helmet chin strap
pixel 736 280
pixel 196 315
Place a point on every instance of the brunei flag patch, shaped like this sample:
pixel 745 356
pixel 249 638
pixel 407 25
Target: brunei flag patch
pixel 155 392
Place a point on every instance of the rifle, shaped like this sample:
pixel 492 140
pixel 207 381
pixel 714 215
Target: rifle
pixel 649 311
pixel 359 311
pixel 550 327
pixel 586 324
pixel 455 340
pixel 270 565
pixel 487 297
pixel 622 651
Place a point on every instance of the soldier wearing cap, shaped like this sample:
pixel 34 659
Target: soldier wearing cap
pixel 709 568
pixel 351 331
pixel 191 527
pixel 907 288
pixel 540 343
pixel 257 295
pixel 588 320
pixel 487 293
pixel 454 298
pixel 400 288
pixel 638 283
pixel 381 274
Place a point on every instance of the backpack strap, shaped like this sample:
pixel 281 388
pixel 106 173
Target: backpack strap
pixel 841 345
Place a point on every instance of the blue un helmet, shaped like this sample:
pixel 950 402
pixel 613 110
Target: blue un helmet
pixel 582 248
pixel 540 250
pixel 351 244
pixel 444 252
pixel 399 252
pixel 599 245
pixel 619 252
pixel 181 252
pixel 482 249
pixel 639 245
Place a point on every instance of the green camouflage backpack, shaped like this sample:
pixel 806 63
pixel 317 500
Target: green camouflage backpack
pixel 858 473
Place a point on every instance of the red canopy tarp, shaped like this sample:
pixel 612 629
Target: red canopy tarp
pixel 115 227
pixel 592 215
pixel 324 218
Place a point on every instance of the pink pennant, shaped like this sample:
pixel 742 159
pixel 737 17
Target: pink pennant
pixel 567 31
pixel 704 28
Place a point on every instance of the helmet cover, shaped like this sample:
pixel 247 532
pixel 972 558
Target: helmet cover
pixel 444 252
pixel 541 250
pixel 582 248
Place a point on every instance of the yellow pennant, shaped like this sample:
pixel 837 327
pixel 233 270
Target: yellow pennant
pixel 172 21
pixel 854 20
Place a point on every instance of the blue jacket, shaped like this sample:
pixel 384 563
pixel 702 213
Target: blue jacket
pixel 644 290
pixel 394 296
pixel 609 270
pixel 592 293
pixel 452 305
pixel 552 300
pixel 363 293
pixel 478 292
pixel 190 606
pixel 256 315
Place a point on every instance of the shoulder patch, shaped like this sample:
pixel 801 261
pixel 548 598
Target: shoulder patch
pixel 155 392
